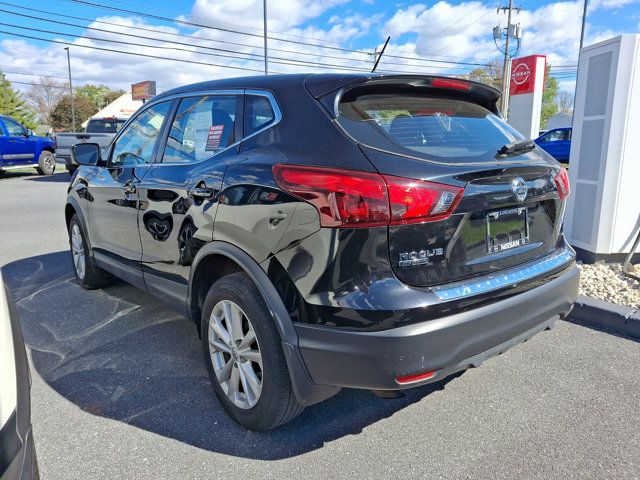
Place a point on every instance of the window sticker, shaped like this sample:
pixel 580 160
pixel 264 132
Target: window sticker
pixel 214 137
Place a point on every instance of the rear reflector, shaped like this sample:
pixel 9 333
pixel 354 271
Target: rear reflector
pixel 415 378
pixel 450 83
pixel 562 184
pixel 351 198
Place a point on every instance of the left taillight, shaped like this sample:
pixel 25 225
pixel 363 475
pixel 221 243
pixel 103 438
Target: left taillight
pixel 343 197
pixel 562 183
pixel 350 198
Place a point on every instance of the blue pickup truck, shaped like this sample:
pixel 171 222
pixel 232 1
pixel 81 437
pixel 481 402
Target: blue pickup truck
pixel 557 143
pixel 20 148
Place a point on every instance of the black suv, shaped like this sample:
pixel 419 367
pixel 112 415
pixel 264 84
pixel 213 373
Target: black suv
pixel 327 231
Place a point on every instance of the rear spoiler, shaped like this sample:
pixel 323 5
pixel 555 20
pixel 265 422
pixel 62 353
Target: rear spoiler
pixel 330 89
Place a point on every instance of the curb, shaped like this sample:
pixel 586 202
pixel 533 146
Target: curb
pixel 602 315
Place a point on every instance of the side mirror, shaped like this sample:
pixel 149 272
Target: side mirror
pixel 86 153
pixel 28 133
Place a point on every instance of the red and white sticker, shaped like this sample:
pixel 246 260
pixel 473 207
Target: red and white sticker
pixel 214 137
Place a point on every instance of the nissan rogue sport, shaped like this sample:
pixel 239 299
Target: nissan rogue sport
pixel 327 231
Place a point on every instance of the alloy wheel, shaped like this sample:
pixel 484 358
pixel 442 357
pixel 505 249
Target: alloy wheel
pixel 49 162
pixel 235 354
pixel 77 251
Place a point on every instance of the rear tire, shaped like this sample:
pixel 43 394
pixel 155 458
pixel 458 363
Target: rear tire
pixel 46 163
pixel 248 371
pixel 88 274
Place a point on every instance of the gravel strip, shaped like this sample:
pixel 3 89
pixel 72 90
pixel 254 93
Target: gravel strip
pixel 607 282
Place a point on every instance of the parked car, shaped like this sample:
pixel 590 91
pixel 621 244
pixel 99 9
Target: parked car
pixel 557 143
pixel 328 231
pixel 20 148
pixel 17 451
pixel 98 130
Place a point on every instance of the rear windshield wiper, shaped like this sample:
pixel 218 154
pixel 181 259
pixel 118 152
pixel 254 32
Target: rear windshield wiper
pixel 516 147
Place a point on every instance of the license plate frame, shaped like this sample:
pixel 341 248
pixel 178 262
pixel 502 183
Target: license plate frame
pixel 497 240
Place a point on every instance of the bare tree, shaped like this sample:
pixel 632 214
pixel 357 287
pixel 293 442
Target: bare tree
pixel 565 102
pixel 44 97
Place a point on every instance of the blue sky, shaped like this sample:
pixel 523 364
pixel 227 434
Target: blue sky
pixel 423 36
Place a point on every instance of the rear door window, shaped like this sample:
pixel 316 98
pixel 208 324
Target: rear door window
pixel 432 127
pixel 203 126
pixel 258 114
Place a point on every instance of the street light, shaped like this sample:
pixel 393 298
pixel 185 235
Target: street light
pixel 266 57
pixel 73 110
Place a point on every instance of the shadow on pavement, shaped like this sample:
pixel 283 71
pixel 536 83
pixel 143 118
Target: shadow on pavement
pixel 120 354
pixel 60 175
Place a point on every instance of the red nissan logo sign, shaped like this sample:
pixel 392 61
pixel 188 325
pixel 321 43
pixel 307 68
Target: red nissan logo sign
pixel 521 74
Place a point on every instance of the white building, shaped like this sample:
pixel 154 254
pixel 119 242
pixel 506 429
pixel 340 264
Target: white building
pixel 122 107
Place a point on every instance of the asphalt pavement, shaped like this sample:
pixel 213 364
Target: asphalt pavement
pixel 120 390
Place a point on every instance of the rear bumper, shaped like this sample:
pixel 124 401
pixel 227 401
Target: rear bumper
pixel 373 360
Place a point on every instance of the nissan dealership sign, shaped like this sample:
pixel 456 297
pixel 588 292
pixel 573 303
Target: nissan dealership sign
pixel 525 91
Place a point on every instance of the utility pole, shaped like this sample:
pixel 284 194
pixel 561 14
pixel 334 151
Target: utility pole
pixel 266 56
pixel 512 31
pixel 73 109
pixel 584 19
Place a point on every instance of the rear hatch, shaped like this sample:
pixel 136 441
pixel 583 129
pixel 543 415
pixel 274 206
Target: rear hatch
pixel 503 210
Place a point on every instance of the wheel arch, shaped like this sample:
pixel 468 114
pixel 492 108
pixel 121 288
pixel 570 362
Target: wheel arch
pixel 233 259
pixel 72 208
pixel 217 259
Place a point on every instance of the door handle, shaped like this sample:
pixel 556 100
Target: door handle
pixel 200 192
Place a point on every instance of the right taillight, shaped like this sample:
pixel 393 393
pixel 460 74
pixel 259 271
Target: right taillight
pixel 562 183
pixel 350 198
pixel 417 201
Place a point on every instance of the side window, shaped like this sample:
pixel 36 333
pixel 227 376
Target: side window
pixel 14 129
pixel 202 127
pixel 135 145
pixel 556 136
pixel 258 113
pixel 567 134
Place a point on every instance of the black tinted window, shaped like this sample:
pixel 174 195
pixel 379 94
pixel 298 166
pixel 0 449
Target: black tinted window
pixel 105 126
pixel 202 127
pixel 442 129
pixel 258 113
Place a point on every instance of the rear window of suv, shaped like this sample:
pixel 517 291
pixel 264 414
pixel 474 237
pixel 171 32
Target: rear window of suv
pixel 432 127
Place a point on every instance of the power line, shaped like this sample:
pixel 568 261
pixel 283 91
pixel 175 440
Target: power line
pixel 323 55
pixel 61 42
pixel 286 61
pixel 191 37
pixel 292 35
pixel 47 75
pixel 201 25
pixel 303 63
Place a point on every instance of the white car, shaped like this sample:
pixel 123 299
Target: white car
pixel 17 452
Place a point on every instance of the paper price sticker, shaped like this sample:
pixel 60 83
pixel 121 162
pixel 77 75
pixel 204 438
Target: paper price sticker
pixel 214 137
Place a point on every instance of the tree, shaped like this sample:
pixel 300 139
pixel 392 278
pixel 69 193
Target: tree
pixel 44 97
pixel 565 102
pixel 61 119
pixel 489 75
pixel 13 105
pixel 99 95
pixel 549 106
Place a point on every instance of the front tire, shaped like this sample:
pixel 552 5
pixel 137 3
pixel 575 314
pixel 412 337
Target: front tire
pixel 244 355
pixel 88 274
pixel 46 163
